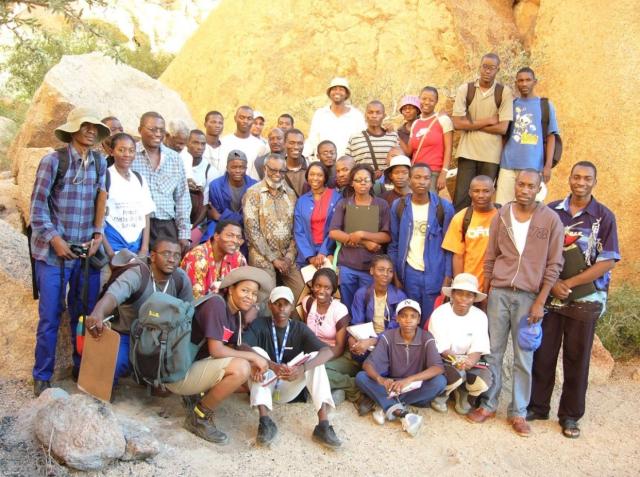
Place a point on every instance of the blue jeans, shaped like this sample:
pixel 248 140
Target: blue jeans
pixel 414 288
pixel 350 280
pixel 505 309
pixel 421 397
pixel 49 280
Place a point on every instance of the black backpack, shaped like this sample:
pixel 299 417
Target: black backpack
pixel 439 210
pixel 466 221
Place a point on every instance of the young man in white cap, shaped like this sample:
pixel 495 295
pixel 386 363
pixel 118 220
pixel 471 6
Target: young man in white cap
pixel 280 339
pixel 336 122
pixel 404 357
pixel 258 126
pixel 462 337
pixel 397 174
pixel 67 214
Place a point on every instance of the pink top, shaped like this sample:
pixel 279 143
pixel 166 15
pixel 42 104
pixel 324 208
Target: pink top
pixel 326 326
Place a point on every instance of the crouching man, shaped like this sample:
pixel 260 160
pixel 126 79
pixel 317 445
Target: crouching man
pixel 402 357
pixel 280 339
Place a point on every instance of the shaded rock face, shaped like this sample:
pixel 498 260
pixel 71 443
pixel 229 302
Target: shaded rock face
pixel 294 49
pixel 7 132
pixel 92 81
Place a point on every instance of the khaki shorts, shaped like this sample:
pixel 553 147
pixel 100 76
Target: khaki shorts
pixel 202 376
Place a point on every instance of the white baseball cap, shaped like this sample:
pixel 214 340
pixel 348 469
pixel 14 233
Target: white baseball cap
pixel 408 303
pixel 281 292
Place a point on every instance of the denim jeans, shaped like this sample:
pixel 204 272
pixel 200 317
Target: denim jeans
pixel 505 309
pixel 350 280
pixel 414 288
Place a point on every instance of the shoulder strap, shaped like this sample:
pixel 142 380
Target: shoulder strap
pixel 137 174
pixel 145 274
pixel 471 92
pixel 497 94
pixel 544 109
pixel 204 298
pixel 107 180
pixel 178 278
pixel 400 208
pixel 440 213
pixel 290 184
pixel 63 166
pixel 308 303
pixel 466 221
pixel 373 155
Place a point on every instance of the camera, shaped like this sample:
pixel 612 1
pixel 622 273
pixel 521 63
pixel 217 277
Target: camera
pixel 79 249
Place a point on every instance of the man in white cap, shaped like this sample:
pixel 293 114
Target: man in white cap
pixel 397 174
pixel 336 122
pixel 258 126
pixel 281 340
pixel 405 367
pixel 67 214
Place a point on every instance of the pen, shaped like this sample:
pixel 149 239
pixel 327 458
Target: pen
pixel 103 321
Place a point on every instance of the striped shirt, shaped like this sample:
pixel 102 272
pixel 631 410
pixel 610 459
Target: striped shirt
pixel 168 186
pixel 67 210
pixel 358 148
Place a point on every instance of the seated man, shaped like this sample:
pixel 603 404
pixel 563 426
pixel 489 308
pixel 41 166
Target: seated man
pixel 132 288
pixel 403 356
pixel 280 339
pixel 207 264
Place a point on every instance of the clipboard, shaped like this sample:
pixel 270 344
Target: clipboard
pixel 98 365
pixel 361 217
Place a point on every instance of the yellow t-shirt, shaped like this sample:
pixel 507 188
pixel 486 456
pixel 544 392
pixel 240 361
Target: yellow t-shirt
pixel 379 307
pixel 476 240
pixel 415 256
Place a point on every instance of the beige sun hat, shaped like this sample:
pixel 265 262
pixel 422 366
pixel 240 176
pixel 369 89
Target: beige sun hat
pixel 467 282
pixel 257 275
pixel 339 81
pixel 76 117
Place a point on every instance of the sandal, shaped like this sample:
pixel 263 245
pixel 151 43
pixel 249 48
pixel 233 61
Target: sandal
pixel 570 429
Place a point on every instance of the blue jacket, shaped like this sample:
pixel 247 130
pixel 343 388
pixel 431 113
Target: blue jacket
pixel 302 227
pixel 437 260
pixel 363 306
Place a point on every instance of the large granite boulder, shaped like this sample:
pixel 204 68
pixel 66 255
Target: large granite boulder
pixel 8 130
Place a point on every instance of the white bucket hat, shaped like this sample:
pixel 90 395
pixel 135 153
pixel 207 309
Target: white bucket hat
pixel 467 282
pixel 75 119
pixel 338 81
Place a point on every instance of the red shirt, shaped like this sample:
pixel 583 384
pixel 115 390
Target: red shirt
pixel 432 150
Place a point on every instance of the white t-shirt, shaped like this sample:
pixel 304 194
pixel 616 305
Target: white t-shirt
pixel 202 174
pixel 128 204
pixel 214 157
pixel 251 146
pixel 461 334
pixel 415 256
pixel 326 125
pixel 520 231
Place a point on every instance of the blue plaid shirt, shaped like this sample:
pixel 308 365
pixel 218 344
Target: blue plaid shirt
pixel 168 186
pixel 67 210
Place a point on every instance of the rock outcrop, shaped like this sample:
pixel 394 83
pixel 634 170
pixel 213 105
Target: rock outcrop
pixel 8 130
pixel 94 81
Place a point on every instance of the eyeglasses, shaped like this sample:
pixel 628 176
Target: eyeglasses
pixel 155 130
pixel 489 67
pixel 362 181
pixel 229 236
pixel 280 172
pixel 167 255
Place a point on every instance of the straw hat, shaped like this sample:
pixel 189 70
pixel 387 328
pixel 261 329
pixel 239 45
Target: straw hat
pixel 75 119
pixel 257 275
pixel 467 282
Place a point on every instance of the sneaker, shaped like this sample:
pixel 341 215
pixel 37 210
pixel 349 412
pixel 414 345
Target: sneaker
pixel 201 424
pixel 412 423
pixel 379 417
pixel 439 404
pixel 397 411
pixel 267 431
pixel 326 436
pixel 338 397
pixel 39 386
pixel 462 401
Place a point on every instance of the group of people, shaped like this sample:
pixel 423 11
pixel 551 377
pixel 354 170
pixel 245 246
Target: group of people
pixel 236 221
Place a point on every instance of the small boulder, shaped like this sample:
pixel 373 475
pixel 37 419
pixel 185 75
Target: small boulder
pixel 140 442
pixel 80 431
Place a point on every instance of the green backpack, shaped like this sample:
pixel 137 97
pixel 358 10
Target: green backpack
pixel 161 350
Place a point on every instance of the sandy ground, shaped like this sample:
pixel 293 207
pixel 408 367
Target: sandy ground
pixel 446 445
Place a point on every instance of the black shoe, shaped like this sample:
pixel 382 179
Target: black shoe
pixel 201 424
pixel 536 416
pixel 267 431
pixel 364 405
pixel 326 436
pixel 39 386
pixel 75 372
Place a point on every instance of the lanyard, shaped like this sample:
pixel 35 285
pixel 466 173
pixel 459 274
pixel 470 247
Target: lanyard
pixel 279 352
pixel 153 282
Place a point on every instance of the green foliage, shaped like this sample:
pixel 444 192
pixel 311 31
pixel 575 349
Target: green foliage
pixel 619 328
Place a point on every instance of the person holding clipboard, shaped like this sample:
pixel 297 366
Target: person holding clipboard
pixel 361 225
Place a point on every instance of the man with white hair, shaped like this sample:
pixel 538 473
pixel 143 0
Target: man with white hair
pixel 177 135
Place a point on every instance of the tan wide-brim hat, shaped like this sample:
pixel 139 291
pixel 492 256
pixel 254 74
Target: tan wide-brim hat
pixel 257 275
pixel 75 119
pixel 338 81
pixel 467 282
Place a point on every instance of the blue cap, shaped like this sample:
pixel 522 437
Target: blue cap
pixel 529 335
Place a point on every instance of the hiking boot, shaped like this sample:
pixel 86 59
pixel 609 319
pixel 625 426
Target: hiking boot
pixel 338 397
pixel 325 435
pixel 267 431
pixel 364 405
pixel 39 386
pixel 201 424
pixel 439 404
pixel 462 401
pixel 189 402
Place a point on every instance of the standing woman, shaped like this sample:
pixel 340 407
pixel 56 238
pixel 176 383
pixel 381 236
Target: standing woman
pixel 410 110
pixel 431 140
pixel 358 247
pixel 312 216
pixel 129 203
